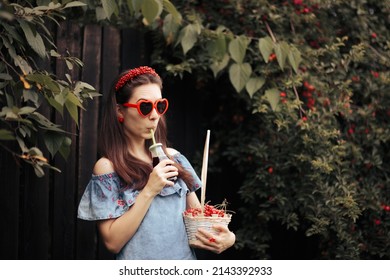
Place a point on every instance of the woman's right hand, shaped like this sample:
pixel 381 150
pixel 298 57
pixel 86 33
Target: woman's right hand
pixel 158 179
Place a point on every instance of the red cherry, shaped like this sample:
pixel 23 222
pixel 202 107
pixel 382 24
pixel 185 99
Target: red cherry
pixel 375 74
pixel 272 57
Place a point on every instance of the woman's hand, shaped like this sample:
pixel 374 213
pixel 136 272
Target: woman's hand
pixel 215 243
pixel 158 179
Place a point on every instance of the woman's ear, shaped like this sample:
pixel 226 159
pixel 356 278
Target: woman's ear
pixel 119 113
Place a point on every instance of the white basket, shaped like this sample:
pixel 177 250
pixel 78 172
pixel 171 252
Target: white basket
pixel 193 223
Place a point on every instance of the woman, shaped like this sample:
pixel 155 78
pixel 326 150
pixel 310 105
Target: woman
pixel 138 207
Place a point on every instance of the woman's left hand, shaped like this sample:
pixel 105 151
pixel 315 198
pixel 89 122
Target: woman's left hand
pixel 216 243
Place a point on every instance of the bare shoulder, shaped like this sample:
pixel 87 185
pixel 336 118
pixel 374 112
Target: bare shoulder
pixel 103 166
pixel 172 151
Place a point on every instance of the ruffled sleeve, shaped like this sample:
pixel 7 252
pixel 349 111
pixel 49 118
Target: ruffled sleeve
pixel 105 197
pixel 183 161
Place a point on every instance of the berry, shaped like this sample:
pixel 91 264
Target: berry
pixel 272 57
pixel 209 211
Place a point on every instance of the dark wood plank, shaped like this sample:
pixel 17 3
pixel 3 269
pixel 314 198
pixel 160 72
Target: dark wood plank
pixel 35 225
pixel 65 184
pixel 111 68
pixel 132 48
pixel 35 231
pixel 87 156
pixel 9 204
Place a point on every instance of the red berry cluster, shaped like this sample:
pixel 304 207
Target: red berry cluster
pixel 283 96
pixel 301 8
pixel 308 94
pixel 375 74
pixel 272 57
pixel 209 211
pixel 386 207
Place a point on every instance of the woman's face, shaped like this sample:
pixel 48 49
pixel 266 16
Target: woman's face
pixel 138 127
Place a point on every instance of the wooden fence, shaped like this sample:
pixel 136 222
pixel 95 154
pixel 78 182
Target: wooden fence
pixel 40 214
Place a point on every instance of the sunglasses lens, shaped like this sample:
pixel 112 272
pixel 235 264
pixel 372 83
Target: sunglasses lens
pixel 162 106
pixel 145 107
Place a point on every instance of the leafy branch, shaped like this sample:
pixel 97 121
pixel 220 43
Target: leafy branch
pixel 25 43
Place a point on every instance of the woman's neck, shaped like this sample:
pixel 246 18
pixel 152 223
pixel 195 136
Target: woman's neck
pixel 137 149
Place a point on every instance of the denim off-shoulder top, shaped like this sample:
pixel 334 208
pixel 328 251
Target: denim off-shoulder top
pixel 161 234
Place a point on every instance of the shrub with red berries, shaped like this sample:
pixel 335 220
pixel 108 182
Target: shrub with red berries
pixel 309 80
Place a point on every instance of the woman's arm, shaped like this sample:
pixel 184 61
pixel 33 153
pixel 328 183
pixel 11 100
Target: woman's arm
pixel 117 232
pixel 192 201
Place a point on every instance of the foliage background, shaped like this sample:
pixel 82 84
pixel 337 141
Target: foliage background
pixel 296 94
pixel 310 142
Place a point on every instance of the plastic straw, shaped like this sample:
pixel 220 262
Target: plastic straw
pixel 204 170
pixel 153 139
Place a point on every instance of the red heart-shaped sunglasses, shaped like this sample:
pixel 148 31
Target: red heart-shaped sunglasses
pixel 145 107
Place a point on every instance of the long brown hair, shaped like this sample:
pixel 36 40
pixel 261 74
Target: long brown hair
pixel 113 142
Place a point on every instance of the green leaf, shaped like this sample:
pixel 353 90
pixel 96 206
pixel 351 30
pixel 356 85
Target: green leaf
pixel 65 147
pixel 33 38
pixel 75 4
pixel 254 84
pixel 53 141
pixel 281 50
pixel 23 131
pixel 18 60
pixel 38 170
pixel 151 9
pixel 188 37
pixel 10 114
pixel 53 102
pixel 110 7
pixel 26 110
pixel 80 86
pixel 136 4
pixel 100 14
pixel 6 135
pixel 44 122
pixel 273 97
pixel 21 143
pixel 170 8
pixel 266 47
pixel 5 76
pixel 62 97
pixel 73 98
pixel 170 28
pixel 294 58
pixel 31 95
pixel 238 47
pixel 45 81
pixel 73 110
pixel 12 32
pixel 239 75
pixel 34 151
pixel 6 15
pixel 218 66
pixel 217 48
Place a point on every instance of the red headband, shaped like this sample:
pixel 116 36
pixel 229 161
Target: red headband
pixel 134 73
